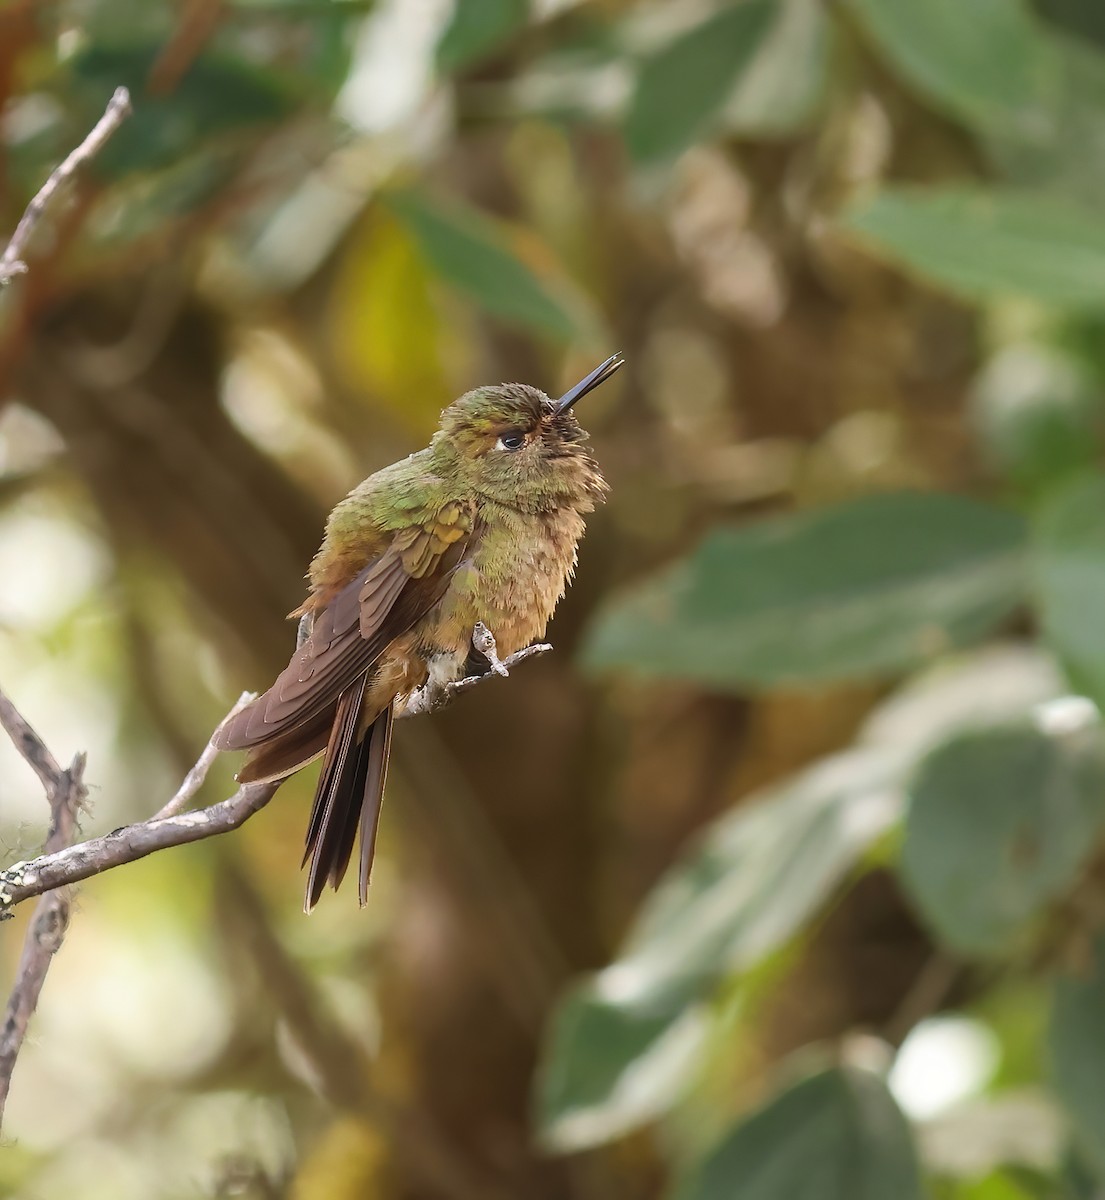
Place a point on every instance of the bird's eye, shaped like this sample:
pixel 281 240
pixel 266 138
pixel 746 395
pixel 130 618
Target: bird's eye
pixel 513 439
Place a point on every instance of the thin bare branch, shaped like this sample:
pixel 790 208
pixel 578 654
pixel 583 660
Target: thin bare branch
pixel 171 827
pixel 26 879
pixel 118 109
pixel 29 745
pixel 65 791
pixel 61 864
pixel 194 780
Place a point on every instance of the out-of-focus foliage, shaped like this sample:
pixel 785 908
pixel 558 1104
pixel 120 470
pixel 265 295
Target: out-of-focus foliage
pixel 783 875
pixel 832 594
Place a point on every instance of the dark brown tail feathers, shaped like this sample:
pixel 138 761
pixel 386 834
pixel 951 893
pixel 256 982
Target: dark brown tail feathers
pixel 348 796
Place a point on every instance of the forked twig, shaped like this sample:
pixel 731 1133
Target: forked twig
pixel 65 792
pixel 172 827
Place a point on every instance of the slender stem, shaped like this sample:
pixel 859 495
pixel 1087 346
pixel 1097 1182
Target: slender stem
pixel 170 826
pixel 118 109
pixel 26 879
pixel 195 778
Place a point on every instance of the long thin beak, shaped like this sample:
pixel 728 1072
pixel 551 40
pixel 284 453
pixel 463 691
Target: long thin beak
pixel 599 375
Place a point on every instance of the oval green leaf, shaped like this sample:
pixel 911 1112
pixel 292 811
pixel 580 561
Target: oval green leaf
pixel 999 824
pixel 834 1136
pixel 1077 1044
pixel 681 89
pixel 865 589
pixel 607 1068
pixel 987 63
pixel 1068 569
pixel 475 254
pixel 477 28
pixel 755 878
pixel 981 242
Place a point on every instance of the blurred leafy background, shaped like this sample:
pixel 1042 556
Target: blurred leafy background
pixel 785 875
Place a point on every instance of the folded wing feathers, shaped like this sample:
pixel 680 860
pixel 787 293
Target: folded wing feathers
pixel 390 595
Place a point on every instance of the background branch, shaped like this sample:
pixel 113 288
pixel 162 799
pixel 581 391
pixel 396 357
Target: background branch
pixel 74 863
pixel 65 791
pixel 170 827
pixel 61 864
pixel 118 109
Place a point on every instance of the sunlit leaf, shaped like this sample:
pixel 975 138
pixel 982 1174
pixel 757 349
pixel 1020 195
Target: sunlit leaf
pixel 625 1041
pixel 1077 1039
pixel 755 878
pixel 834 1136
pixel 1039 414
pixel 387 334
pixel 481 257
pixel 783 85
pixel 999 824
pixel 1068 564
pixel 608 1068
pixel 990 685
pixel 682 88
pixel 1001 1185
pixel 477 28
pixel 983 243
pixel 864 589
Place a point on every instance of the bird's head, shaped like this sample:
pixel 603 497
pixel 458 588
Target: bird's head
pixel 514 444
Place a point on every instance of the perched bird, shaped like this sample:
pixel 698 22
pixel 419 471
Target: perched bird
pixel 481 526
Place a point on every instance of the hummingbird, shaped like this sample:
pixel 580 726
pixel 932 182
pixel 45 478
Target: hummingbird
pixel 480 526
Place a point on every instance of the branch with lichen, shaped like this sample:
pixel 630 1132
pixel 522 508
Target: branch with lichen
pixel 65 792
pixel 170 826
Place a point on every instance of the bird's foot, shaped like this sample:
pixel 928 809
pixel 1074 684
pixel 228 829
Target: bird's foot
pixel 484 642
pixel 432 698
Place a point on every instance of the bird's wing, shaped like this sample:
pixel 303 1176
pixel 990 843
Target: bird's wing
pixel 394 591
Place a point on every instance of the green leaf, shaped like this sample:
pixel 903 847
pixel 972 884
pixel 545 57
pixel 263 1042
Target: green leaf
pixel 757 876
pixel 1068 567
pixel 1077 1043
pixel 834 1136
pixel 864 589
pixel 782 87
pixel 981 243
pixel 476 255
pixel 215 96
pixel 991 685
pixel 608 1068
pixel 626 1041
pixel 1033 97
pixel 681 90
pixel 1039 414
pixel 477 28
pixel 999 824
pixel 987 63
